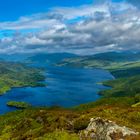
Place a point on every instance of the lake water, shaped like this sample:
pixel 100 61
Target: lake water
pixel 65 87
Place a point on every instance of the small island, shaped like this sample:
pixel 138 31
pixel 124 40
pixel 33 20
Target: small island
pixel 16 104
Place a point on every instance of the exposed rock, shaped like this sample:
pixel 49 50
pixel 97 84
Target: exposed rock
pixel 100 129
pixel 39 120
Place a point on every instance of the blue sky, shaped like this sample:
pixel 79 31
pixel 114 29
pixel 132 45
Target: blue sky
pixel 75 26
pixel 13 9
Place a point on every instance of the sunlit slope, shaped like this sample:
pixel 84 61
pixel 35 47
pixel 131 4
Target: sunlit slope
pixel 18 75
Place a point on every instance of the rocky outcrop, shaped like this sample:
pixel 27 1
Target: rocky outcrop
pixel 100 129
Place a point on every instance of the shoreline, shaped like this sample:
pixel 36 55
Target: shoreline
pixel 97 92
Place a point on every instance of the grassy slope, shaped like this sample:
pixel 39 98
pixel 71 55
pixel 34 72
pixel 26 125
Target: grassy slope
pixel 123 87
pixel 61 124
pixel 18 75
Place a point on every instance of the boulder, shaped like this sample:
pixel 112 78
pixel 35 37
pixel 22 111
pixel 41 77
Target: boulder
pixel 102 129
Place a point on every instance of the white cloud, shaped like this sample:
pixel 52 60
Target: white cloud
pixel 84 30
pixel 87 10
pixel 37 21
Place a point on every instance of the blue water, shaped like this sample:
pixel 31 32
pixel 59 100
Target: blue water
pixel 65 87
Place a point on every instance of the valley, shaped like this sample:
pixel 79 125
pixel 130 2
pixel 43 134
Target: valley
pixel 115 98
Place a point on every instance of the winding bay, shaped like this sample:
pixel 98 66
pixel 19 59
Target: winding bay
pixel 66 87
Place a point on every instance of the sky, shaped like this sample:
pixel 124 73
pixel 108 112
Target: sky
pixel 74 26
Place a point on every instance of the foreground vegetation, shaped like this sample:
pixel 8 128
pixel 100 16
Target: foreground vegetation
pixel 62 124
pixel 18 75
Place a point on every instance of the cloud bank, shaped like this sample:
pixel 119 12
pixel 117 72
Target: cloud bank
pixel 87 29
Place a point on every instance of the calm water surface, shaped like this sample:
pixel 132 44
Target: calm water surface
pixel 65 87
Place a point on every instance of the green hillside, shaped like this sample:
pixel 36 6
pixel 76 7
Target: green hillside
pixel 18 75
pixel 110 60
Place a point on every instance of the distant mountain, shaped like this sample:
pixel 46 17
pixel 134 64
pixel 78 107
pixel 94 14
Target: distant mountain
pixel 103 60
pixel 117 56
pixel 63 59
pixel 49 58
pixel 16 57
pixel 37 57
